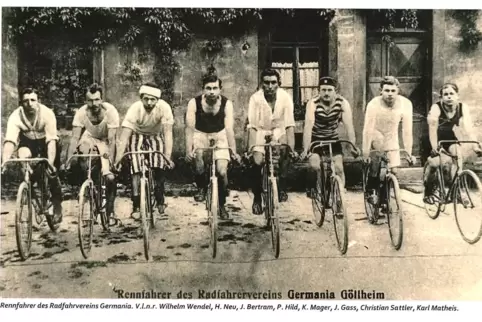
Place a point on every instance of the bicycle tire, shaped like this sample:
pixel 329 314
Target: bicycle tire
pixel 85 222
pixel 396 237
pixel 144 208
pixel 478 199
pixel 265 196
pixel 433 211
pixel 370 210
pixel 272 211
pixel 318 198
pixel 213 215
pixel 24 192
pixel 150 200
pixel 339 210
pixel 100 205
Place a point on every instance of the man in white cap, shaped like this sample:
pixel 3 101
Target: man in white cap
pixel 141 130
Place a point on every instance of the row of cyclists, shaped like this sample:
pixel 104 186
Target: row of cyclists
pixel 32 131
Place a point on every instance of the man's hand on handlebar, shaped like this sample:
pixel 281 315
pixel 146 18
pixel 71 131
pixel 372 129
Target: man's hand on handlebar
pixel 355 152
pixel 478 150
pixel 169 164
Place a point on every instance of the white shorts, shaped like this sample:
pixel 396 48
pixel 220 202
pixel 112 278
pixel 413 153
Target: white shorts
pixel 279 136
pixel 379 143
pixel 201 141
pixel 87 143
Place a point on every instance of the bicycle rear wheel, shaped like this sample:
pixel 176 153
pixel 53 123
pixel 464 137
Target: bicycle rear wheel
pixel 370 210
pixel 213 209
pixel 340 218
pixel 144 210
pixel 468 215
pixel 433 211
pixel 318 198
pixel 272 213
pixel 85 222
pixel 394 211
pixel 23 220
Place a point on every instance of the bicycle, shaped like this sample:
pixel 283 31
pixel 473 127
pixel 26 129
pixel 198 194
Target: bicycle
pixel 27 195
pixel 327 194
pixel 147 198
pixel 270 202
pixel 212 197
pixel 91 193
pixel 464 181
pixel 388 189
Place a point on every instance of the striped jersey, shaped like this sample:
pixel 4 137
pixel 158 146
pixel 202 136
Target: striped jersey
pixel 326 121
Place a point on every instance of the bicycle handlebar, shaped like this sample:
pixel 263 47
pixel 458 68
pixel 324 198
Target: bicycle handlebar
pixel 320 143
pixel 144 152
pixel 458 142
pixel 105 156
pixel 29 160
pixel 408 159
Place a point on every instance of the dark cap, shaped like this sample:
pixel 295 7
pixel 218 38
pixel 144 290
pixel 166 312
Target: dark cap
pixel 328 81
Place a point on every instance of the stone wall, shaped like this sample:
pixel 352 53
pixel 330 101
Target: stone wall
pixel 9 73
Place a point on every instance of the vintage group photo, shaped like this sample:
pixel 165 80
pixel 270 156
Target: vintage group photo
pixel 246 151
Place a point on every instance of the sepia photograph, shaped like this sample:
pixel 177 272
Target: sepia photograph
pixel 241 154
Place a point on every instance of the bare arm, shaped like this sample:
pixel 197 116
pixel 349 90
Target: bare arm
pixel 190 126
pixel 251 124
pixel 73 141
pixel 112 134
pixel 468 125
pixel 229 126
pixel 167 131
pixel 290 123
pixel 432 120
pixel 407 127
pixel 347 119
pixel 123 140
pixel 11 137
pixel 8 148
pixel 51 138
pixel 309 122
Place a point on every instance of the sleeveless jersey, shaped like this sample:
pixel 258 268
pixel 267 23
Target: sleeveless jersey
pixel 446 125
pixel 207 122
pixel 326 123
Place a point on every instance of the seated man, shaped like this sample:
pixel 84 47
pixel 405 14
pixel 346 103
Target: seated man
pixel 141 130
pixel 383 116
pixel 323 116
pixel 442 119
pixel 270 111
pixel 100 121
pixel 34 126
pixel 210 116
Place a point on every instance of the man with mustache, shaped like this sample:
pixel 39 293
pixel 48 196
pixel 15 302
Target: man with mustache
pixel 100 121
pixel 323 116
pixel 147 126
pixel 383 116
pixel 32 128
pixel 442 119
pixel 210 116
pixel 271 112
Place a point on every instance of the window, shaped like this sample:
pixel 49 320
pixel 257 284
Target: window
pixel 296 49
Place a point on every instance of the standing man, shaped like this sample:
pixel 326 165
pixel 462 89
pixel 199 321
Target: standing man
pixel 383 116
pixel 270 112
pixel 100 121
pixel 323 116
pixel 141 130
pixel 32 128
pixel 210 116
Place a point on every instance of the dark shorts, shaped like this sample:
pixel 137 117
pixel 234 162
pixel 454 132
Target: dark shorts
pixel 447 136
pixel 38 148
pixel 336 149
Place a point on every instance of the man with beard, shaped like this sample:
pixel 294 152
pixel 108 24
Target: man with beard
pixel 34 126
pixel 383 116
pixel 442 119
pixel 141 130
pixel 210 116
pixel 270 112
pixel 100 121
pixel 323 116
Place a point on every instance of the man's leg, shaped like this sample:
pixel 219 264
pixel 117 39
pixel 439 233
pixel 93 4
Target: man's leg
pixel 339 169
pixel 313 172
pixel 159 189
pixel 257 182
pixel 284 164
pixel 136 199
pixel 200 176
pixel 56 187
pixel 222 172
pixel 431 165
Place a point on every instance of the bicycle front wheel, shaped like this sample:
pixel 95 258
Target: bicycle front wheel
pixel 23 220
pixel 144 210
pixel 318 198
pixel 340 218
pixel 85 222
pixel 151 200
pixel 272 212
pixel 394 211
pixel 468 206
pixel 434 210
pixel 213 209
